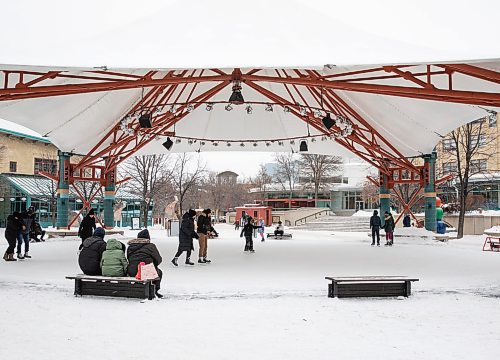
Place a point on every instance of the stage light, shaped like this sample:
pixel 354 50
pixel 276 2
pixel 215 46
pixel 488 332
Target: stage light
pixel 168 144
pixel 228 144
pixel 236 97
pixel 249 109
pixel 286 109
pixel 328 121
pixel 242 144
pixel 173 109
pixel 178 141
pixel 209 107
pixel 215 143
pixel 145 120
pixel 317 114
pixel 269 108
pixel 190 108
pixel 228 107
pixel 255 144
pixel 303 111
pixel 292 142
pixel 303 146
pixel 190 141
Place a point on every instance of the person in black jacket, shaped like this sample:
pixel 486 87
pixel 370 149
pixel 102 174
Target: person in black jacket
pixel 14 227
pixel 87 226
pixel 375 225
pixel 186 235
pixel 91 253
pixel 27 218
pixel 389 229
pixel 407 221
pixel 143 250
pixel 204 228
pixel 248 232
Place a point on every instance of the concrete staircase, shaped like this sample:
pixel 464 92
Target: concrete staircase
pixel 337 223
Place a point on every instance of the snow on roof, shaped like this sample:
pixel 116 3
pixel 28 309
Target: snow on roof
pixel 9 127
pixel 42 186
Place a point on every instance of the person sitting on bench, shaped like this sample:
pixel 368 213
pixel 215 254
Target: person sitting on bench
pixel 280 230
pixel 143 250
pixel 91 253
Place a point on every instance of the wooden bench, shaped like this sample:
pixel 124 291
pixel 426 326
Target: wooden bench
pixel 369 286
pixel 284 236
pixel 128 287
pixel 491 243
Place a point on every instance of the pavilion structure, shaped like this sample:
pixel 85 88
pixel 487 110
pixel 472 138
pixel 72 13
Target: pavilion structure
pixel 383 114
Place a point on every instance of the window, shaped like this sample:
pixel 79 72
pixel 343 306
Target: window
pixel 13 167
pixel 481 138
pixel 449 167
pixel 478 165
pixel 45 165
pixel 449 144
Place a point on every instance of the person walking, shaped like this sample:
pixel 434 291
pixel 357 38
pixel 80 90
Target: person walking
pixel 143 250
pixel 87 226
pixel 375 225
pixel 248 232
pixel 261 230
pixel 14 226
pixel 113 260
pixel 389 229
pixel 24 234
pixel 203 228
pixel 91 252
pixel 236 225
pixel 186 235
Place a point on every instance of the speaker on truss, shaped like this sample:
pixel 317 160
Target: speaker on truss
pixel 168 144
pixel 303 146
pixel 145 120
pixel 328 121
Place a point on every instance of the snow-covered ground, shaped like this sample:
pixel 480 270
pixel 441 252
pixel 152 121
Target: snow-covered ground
pixel 269 305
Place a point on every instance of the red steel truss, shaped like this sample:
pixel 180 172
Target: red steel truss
pixel 298 89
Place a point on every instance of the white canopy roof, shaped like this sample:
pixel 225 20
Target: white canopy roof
pixel 75 123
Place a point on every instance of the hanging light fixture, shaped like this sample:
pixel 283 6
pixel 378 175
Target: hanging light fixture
pixel 215 143
pixel 209 107
pixel 228 107
pixel 168 144
pixel 328 121
pixel 173 109
pixel 286 109
pixel 249 109
pixel 190 108
pixel 228 144
pixel 303 111
pixel 242 144
pixel 269 108
pixel 178 141
pixel 236 97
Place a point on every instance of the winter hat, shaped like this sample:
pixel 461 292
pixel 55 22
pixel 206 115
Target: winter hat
pixel 91 212
pixel 99 232
pixel 16 214
pixel 192 212
pixel 375 212
pixel 207 211
pixel 144 234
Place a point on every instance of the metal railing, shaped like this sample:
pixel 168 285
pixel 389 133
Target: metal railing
pixel 304 219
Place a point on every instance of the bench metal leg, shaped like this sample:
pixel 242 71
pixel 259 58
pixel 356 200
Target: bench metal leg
pixel 330 290
pixel 408 288
pixel 151 290
pixel 78 287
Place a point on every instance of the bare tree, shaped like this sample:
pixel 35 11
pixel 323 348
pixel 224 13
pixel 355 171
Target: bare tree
pixel 147 172
pixel 222 195
pixel 319 169
pixel 467 153
pixel 262 180
pixel 186 175
pixel 370 192
pixel 286 173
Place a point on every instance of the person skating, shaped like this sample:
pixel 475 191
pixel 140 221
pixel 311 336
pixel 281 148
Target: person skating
pixel 14 226
pixel 143 250
pixel 37 230
pixel 389 229
pixel 375 225
pixel 186 235
pixel 236 225
pixel 24 235
pixel 203 228
pixel 261 230
pixel 87 226
pixel 91 252
pixel 113 261
pixel 248 232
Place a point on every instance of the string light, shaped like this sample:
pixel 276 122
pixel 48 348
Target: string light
pixel 190 108
pixel 249 109
pixel 209 107
pixel 286 109
pixel 228 107
pixel 269 108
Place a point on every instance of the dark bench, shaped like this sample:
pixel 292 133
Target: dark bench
pixel 285 236
pixel 113 286
pixel 369 286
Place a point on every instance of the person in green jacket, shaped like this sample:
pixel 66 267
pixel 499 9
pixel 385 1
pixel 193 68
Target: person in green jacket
pixel 113 261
